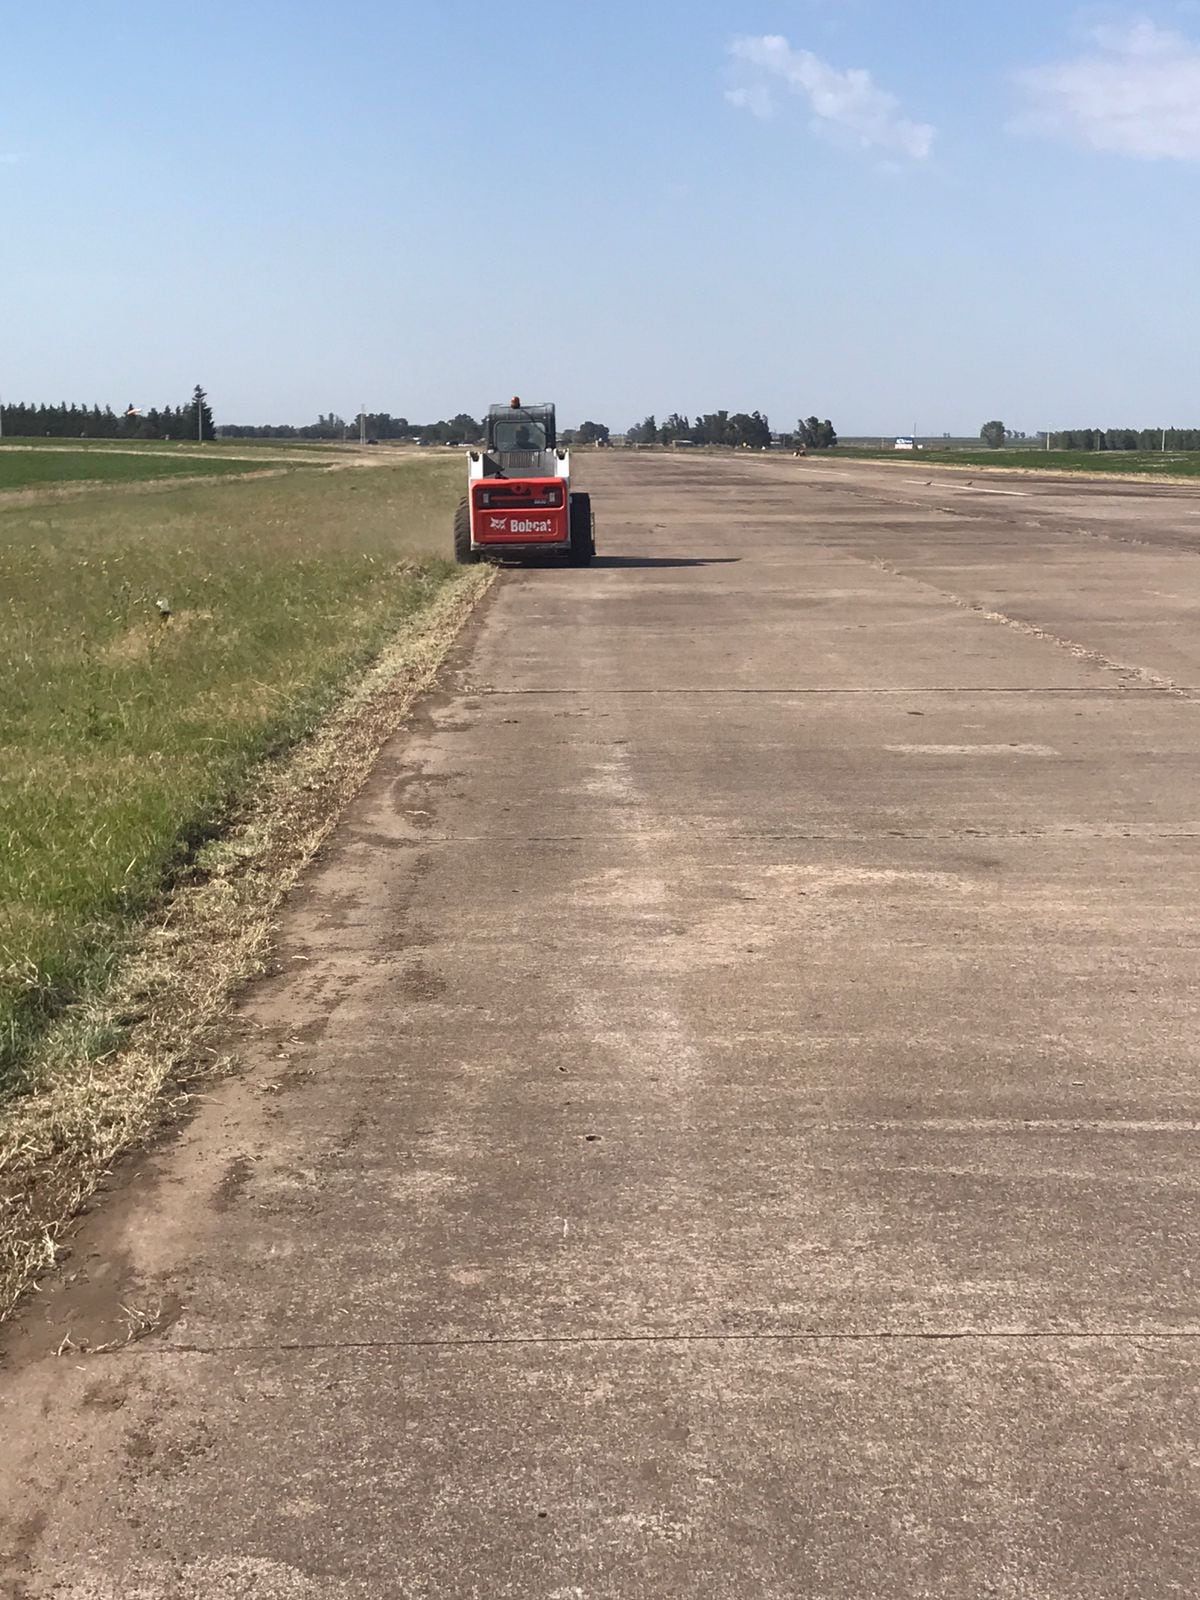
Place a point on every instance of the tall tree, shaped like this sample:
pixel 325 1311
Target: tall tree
pixel 993 434
pixel 814 434
pixel 713 428
pixel 199 417
pixel 752 432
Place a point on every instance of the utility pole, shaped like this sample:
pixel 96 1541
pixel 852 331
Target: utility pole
pixel 1164 442
pixel 362 424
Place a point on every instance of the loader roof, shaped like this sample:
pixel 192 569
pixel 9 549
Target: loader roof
pixel 508 419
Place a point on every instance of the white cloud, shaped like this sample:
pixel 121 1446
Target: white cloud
pixel 1135 91
pixel 849 105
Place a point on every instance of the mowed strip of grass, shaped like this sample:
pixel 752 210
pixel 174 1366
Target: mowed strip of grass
pixel 1149 462
pixel 124 732
pixel 170 447
pixel 37 468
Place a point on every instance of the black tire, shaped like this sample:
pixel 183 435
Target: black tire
pixel 463 553
pixel 583 542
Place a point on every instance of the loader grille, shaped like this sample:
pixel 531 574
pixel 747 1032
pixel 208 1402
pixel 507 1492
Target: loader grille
pixel 519 459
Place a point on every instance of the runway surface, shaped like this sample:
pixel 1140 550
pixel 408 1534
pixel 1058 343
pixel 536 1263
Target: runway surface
pixel 724 1121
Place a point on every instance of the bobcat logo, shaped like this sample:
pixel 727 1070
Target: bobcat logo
pixel 515 525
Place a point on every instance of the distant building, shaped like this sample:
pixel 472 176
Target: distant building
pixel 904 443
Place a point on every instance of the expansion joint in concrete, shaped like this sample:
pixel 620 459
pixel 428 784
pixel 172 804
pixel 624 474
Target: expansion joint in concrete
pixel 898 1336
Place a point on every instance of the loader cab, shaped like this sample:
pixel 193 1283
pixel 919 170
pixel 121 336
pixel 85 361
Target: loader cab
pixel 519 430
pixel 518 435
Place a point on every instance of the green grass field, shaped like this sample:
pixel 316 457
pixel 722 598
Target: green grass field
pixel 1148 462
pixel 171 447
pixel 42 467
pixel 124 733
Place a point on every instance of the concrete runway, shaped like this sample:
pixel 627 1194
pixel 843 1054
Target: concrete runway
pixel 725 1121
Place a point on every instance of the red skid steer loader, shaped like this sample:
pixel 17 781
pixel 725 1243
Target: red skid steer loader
pixel 520 502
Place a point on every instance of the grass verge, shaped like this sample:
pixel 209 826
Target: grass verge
pixel 162 784
pixel 1130 463
pixel 152 649
pixel 36 468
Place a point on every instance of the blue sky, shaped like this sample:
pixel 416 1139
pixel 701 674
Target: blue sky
pixel 896 216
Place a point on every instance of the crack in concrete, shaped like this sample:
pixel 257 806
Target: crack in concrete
pixel 1154 682
pixel 1158 687
pixel 572 1341
pixel 1106 830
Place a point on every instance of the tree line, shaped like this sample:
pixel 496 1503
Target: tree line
pixel 1126 439
pixel 377 425
pixel 191 421
pixel 74 421
pixel 741 430
pixel 195 420
pixel 995 434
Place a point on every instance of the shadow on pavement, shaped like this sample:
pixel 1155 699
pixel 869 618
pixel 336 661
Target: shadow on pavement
pixel 662 561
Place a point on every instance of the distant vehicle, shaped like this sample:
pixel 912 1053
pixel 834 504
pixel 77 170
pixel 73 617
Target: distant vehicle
pixel 519 499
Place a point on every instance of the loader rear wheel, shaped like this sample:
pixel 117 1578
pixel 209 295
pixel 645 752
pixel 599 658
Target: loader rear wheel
pixel 583 543
pixel 463 553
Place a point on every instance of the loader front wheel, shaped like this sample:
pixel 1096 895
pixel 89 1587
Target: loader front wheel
pixel 583 543
pixel 463 553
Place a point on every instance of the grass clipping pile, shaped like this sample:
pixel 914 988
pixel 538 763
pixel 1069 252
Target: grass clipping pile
pixel 210 935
